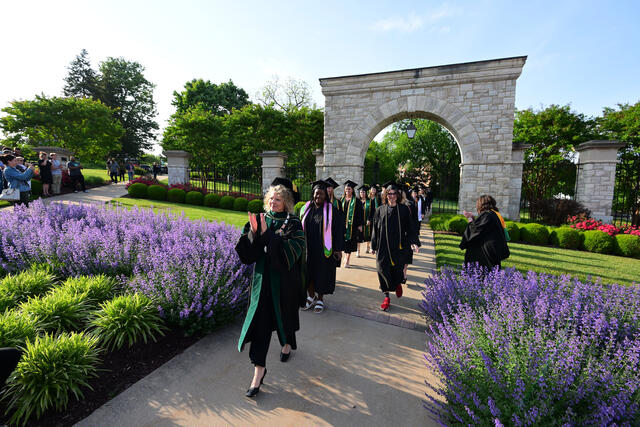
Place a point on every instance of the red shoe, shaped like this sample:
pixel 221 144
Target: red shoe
pixel 385 304
pixel 399 291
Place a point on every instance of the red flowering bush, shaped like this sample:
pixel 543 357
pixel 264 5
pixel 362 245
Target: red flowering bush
pixel 593 224
pixel 144 180
pixel 187 187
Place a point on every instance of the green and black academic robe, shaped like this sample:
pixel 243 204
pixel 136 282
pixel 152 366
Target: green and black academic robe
pixel 485 241
pixel 413 208
pixel 393 232
pixel 277 254
pixel 368 209
pixel 353 218
pixel 321 260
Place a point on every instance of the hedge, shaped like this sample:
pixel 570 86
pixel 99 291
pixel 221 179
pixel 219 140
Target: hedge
pixel 565 237
pixel 534 233
pixel 627 245
pixel 457 224
pixel 212 200
pixel 240 204
pixel 227 202
pixel 138 190
pixel 298 207
pixel 194 198
pixel 255 206
pixel 156 192
pixel 176 195
pixel 598 241
pixel 514 230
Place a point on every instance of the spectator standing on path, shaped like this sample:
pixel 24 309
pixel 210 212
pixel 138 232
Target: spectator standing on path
pixel 56 173
pixel 122 170
pixel 75 173
pixel 156 170
pixel 21 168
pixel 393 231
pixel 44 165
pixel 18 180
pixel 130 170
pixel 324 240
pixel 484 238
pixel 114 168
pixel 274 241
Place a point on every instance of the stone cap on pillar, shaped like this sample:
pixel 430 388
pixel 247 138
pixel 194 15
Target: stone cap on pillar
pixel 599 151
pixel 272 159
pixel 176 153
pixel 517 151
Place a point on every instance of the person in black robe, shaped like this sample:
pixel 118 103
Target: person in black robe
pixel 413 210
pixel 484 238
pixel 353 219
pixel 274 241
pixel 324 240
pixel 393 231
pixel 367 214
pixel 374 195
pixel 429 199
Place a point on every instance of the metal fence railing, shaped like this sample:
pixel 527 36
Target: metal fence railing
pixel 214 179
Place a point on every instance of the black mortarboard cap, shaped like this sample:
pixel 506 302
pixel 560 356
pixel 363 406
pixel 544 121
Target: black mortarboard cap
pixel 286 182
pixel 388 183
pixel 349 183
pixel 364 187
pixel 319 184
pixel 332 183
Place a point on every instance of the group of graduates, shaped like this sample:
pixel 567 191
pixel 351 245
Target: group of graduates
pixel 296 257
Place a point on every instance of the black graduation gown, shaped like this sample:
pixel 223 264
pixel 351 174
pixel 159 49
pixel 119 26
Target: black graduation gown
pixel 393 232
pixel 321 270
pixel 413 208
pixel 368 210
pixel 279 268
pixel 485 241
pixel 351 224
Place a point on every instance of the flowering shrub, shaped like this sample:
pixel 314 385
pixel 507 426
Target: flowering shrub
pixel 594 224
pixel 148 181
pixel 534 350
pixel 189 268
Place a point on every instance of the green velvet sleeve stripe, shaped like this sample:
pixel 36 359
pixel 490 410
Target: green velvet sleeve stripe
pixel 246 228
pixel 293 247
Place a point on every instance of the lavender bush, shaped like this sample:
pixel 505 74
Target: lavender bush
pixel 534 350
pixel 189 268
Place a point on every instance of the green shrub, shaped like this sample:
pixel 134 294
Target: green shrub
pixel 140 171
pixel 598 241
pixel 298 207
pixel 17 327
pixel 438 222
pixel 127 319
pixel 514 230
pixel 194 198
pixel 457 224
pixel 176 195
pixel 97 288
pixel 36 188
pixel 94 181
pixel 17 288
pixel 59 310
pixel 534 233
pixel 227 202
pixel 138 190
pixel 157 192
pixel 50 370
pixel 212 200
pixel 255 206
pixel 627 245
pixel 240 204
pixel 565 237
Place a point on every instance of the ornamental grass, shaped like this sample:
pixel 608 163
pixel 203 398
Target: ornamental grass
pixel 532 350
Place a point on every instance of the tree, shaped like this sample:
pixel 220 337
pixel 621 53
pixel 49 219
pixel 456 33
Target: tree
pixel 82 80
pixel 623 123
pixel 124 88
pixel 553 132
pixel 288 95
pixel 219 99
pixel 81 125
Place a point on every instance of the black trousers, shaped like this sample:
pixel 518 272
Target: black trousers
pixel 263 325
pixel 78 179
pixel 9 358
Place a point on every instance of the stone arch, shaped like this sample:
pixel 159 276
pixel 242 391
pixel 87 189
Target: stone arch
pixel 475 101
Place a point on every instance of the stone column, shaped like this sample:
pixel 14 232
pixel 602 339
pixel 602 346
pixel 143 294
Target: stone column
pixel 319 164
pixel 178 166
pixel 272 167
pixel 515 184
pixel 596 176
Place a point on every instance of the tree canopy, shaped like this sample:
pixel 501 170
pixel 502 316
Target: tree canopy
pixel 291 94
pixel 218 99
pixel 82 125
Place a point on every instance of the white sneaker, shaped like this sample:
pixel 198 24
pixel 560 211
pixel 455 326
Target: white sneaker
pixel 75 191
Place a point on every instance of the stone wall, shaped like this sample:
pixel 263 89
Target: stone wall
pixel 474 101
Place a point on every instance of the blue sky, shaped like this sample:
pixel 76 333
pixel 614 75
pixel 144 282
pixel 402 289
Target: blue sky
pixel 586 53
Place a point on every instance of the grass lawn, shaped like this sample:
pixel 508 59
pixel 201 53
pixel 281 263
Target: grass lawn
pixel 239 219
pixel 612 269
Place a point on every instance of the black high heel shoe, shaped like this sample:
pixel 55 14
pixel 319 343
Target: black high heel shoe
pixel 284 356
pixel 255 390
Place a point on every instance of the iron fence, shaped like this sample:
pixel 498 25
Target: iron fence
pixel 302 178
pixel 225 180
pixel 626 194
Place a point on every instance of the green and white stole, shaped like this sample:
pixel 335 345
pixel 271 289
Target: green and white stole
pixel 349 213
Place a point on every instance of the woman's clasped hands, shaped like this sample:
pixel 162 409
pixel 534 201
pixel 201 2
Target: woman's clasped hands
pixel 253 222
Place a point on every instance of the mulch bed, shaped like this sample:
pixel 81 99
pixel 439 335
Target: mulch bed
pixel 118 371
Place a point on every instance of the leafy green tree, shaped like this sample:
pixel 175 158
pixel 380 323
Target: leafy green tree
pixel 379 163
pixel 124 88
pixel 623 123
pixel 219 99
pixel 548 163
pixel 82 125
pixel 82 81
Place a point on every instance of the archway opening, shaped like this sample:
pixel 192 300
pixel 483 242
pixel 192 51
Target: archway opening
pixel 431 159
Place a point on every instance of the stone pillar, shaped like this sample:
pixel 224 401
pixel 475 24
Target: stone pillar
pixel 596 176
pixel 178 166
pixel 341 173
pixel 515 185
pixel 319 164
pixel 272 167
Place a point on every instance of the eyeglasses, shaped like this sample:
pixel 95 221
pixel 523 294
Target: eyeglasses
pixel 392 194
